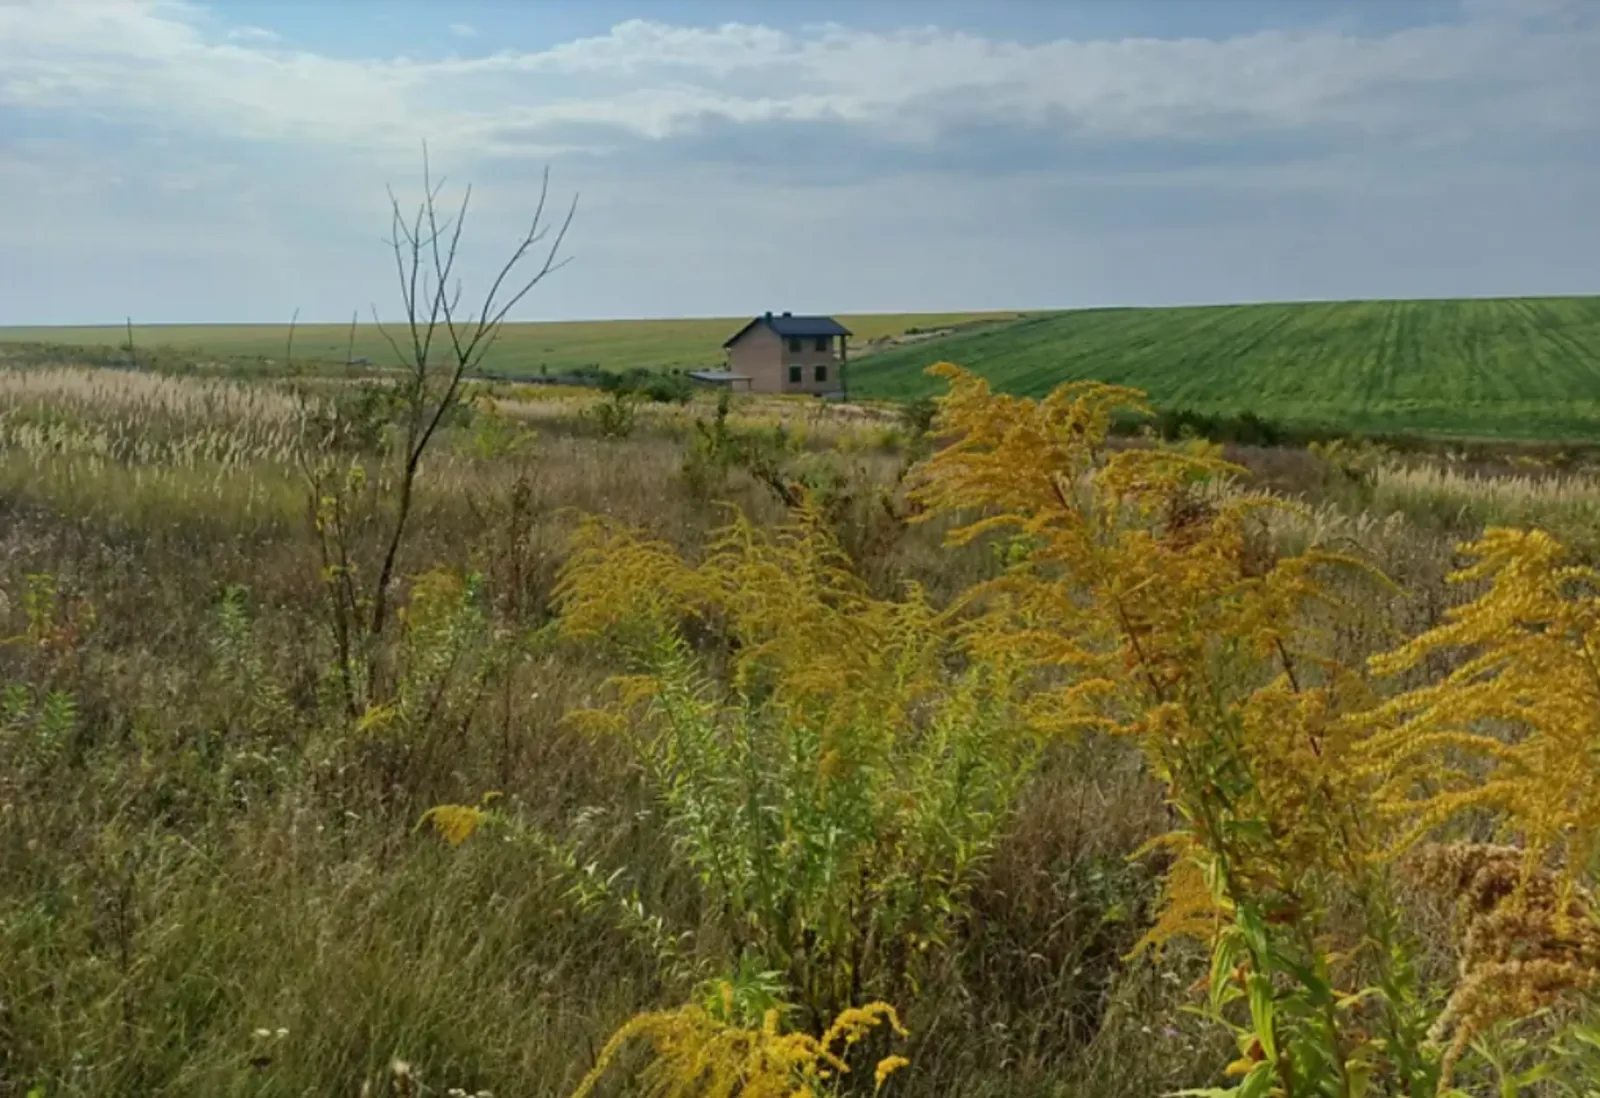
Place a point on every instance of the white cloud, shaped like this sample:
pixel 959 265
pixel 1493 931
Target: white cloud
pixel 463 30
pixel 257 168
pixel 252 34
pixel 156 58
pixel 151 59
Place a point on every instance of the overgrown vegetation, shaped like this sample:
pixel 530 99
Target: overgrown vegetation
pixel 415 737
pixel 813 786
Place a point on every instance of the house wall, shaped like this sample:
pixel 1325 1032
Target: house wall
pixel 808 358
pixel 759 354
pixel 765 356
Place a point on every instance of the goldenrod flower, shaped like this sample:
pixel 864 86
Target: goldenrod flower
pixel 455 823
pixel 887 1067
pixel 698 1056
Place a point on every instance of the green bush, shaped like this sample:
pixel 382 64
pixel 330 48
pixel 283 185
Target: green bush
pixel 617 415
pixel 649 385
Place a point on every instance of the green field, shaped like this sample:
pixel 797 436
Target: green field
pixel 1506 368
pixel 1526 368
pixel 529 349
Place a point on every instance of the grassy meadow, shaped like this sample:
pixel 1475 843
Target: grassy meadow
pixel 1525 368
pixel 255 842
pixel 529 349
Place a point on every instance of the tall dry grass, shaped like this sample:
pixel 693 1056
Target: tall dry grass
pixel 1567 502
pixel 116 393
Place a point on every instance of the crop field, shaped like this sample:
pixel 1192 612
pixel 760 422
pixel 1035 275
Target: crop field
pixel 526 349
pixel 1515 368
pixel 1505 368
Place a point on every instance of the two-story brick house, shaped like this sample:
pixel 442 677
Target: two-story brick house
pixel 784 353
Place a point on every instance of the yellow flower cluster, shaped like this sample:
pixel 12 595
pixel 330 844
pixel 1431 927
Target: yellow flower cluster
pixel 1140 580
pixel 698 1056
pixel 1190 907
pixel 456 823
pixel 1512 726
pixel 802 630
pixel 1147 588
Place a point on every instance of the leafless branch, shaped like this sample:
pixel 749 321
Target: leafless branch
pixel 426 248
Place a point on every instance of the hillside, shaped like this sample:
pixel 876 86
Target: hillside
pixel 528 348
pixel 1511 368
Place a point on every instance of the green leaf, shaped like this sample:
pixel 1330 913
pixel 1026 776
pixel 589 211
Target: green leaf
pixel 1355 998
pixel 1261 1013
pixel 1258 1084
pixel 1320 990
pixel 1589 1035
pixel 1224 956
pixel 1535 1074
pixel 1359 1072
pixel 1254 930
pixel 1248 829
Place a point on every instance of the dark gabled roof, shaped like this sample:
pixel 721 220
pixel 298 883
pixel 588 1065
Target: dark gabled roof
pixel 806 326
pixel 790 325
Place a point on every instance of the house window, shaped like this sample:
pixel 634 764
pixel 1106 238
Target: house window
pixel 822 343
pixel 822 373
pixel 794 375
pixel 794 343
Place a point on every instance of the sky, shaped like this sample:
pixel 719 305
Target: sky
pixel 181 161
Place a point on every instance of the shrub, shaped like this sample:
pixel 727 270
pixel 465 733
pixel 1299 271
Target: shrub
pixel 359 417
pixel 835 788
pixel 710 452
pixel 1245 428
pixel 617 415
pixel 651 385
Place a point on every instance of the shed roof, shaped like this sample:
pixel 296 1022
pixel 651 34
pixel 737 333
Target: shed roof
pixel 787 324
pixel 718 375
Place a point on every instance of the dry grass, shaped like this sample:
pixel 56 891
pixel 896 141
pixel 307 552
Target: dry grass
pixel 114 394
pixel 205 847
pixel 152 420
pixel 808 422
pixel 1566 503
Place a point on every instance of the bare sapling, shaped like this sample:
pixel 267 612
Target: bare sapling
pixel 438 343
